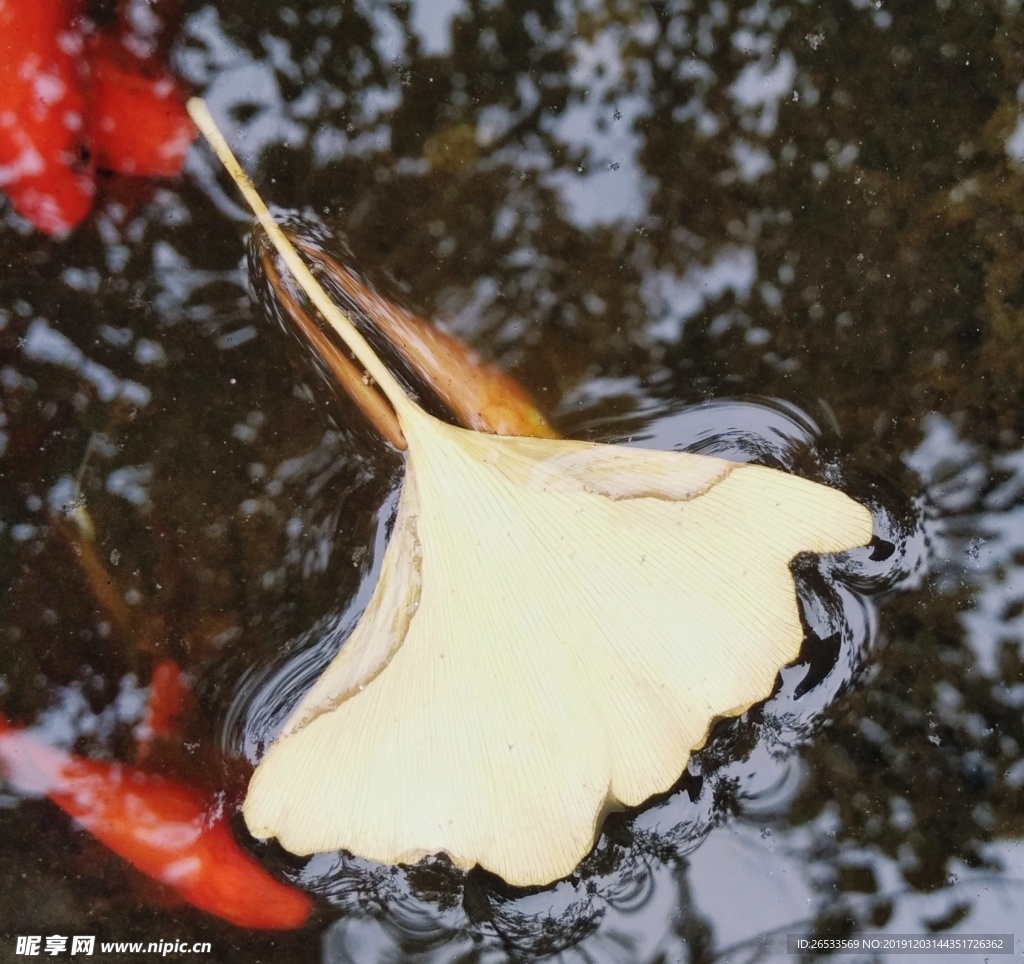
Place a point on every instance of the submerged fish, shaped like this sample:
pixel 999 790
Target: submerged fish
pixel 169 699
pixel 163 828
pixel 45 167
pixel 73 101
pixel 138 122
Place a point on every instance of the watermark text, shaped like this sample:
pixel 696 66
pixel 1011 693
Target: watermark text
pixel 86 945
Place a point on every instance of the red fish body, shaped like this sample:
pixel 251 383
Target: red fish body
pixel 169 700
pixel 163 828
pixel 45 167
pixel 73 100
pixel 138 121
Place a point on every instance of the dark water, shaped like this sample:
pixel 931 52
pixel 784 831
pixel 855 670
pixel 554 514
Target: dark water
pixel 784 232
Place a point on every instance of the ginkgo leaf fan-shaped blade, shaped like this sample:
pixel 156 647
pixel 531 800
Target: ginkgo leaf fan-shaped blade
pixel 555 627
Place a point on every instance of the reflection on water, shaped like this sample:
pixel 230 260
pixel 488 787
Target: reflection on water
pixel 778 231
pixel 747 773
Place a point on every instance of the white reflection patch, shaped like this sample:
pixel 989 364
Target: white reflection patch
pixel 42 343
pixel 673 300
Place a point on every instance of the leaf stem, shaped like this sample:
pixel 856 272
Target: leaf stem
pixel 338 320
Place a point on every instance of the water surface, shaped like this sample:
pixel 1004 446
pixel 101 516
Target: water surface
pixel 779 232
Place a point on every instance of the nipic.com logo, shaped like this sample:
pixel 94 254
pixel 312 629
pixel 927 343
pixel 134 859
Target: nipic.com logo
pixel 55 944
pixel 37 945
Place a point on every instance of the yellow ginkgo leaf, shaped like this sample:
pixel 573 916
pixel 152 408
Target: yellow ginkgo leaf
pixel 555 627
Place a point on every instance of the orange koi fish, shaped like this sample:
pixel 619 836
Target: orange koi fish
pixel 45 167
pixel 138 122
pixel 163 828
pixel 169 699
pixel 74 100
